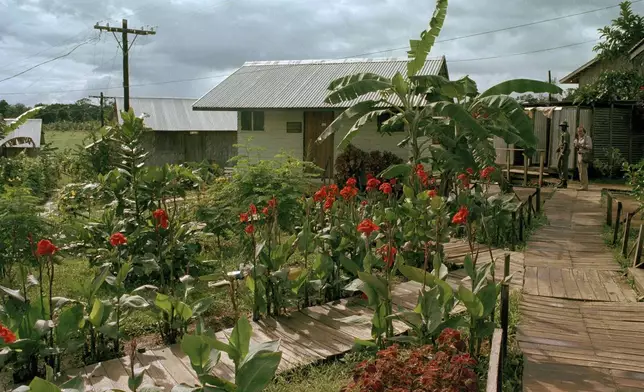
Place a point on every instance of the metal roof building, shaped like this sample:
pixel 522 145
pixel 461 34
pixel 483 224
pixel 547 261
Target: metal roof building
pixel 32 129
pixel 301 84
pixel 176 114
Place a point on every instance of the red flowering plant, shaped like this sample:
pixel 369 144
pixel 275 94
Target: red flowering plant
pixel 444 367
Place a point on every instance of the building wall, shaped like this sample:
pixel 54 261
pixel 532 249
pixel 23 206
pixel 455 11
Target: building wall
pixel 275 140
pixel 179 147
pixel 592 73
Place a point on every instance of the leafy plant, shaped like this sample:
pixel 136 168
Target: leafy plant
pixel 622 34
pixel 611 163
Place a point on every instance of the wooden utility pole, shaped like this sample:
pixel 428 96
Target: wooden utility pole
pixel 549 81
pixel 123 44
pixel 102 100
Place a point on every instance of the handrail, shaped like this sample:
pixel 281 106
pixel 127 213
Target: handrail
pixel 499 343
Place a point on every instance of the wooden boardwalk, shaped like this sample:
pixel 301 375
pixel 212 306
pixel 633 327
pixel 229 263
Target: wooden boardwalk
pixel 580 329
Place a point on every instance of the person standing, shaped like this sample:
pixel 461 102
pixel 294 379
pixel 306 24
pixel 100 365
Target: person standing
pixel 584 147
pixel 564 154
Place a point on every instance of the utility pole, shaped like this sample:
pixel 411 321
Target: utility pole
pixel 549 81
pixel 123 44
pixel 102 100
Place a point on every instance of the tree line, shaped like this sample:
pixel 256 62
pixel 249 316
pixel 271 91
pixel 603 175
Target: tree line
pixel 83 110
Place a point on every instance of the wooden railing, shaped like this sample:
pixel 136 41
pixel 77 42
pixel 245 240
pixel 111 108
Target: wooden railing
pixel 526 163
pixel 499 344
pixel 522 217
pixel 624 223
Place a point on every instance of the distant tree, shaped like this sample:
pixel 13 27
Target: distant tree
pixel 621 35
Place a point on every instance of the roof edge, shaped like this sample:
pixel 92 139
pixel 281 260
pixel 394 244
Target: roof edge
pixel 334 61
pixel 572 77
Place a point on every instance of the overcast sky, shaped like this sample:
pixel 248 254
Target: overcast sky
pixel 210 38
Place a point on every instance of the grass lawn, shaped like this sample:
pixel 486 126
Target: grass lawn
pixel 65 139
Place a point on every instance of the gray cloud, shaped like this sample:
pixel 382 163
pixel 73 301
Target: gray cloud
pixel 210 38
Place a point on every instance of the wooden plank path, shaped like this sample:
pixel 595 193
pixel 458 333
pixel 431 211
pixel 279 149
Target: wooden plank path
pixel 581 328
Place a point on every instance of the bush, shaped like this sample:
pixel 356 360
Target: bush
pixel 611 162
pixel 446 367
pixel 95 156
pixel 353 162
pixel 39 174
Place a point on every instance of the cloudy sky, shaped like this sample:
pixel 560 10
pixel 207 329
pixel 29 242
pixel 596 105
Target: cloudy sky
pixel 208 39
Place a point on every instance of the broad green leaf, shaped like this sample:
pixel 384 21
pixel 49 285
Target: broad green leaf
pixel 15 294
pixel 265 347
pixel 412 319
pixel 135 380
pixel 183 310
pixel 471 302
pixel 150 388
pixel 123 273
pixel 376 283
pixel 432 309
pixel 351 87
pixel 353 132
pixel 408 192
pixel 134 302
pixel 255 374
pixel 99 313
pixel 400 86
pixel 197 348
pixel 162 302
pixel 438 83
pixel 349 265
pixel 365 343
pixel 488 295
pixel 520 86
pixel 184 388
pixel 202 305
pixel 461 116
pixel 350 115
pixel 98 280
pixel 419 49
pixel 416 274
pixel 240 338
pixel 70 320
pixel 40 385
pixel 514 112
pixel 469 267
pixel 485 329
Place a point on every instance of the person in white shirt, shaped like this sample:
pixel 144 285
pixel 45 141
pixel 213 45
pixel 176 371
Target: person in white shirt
pixel 584 146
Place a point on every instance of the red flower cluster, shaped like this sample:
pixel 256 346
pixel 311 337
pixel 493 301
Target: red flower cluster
pixel 464 178
pixel 243 217
pixel 432 193
pixel 247 217
pixel 422 175
pixel 351 182
pixel 7 335
pixel 320 195
pixel 250 229
pixel 349 191
pixel 160 218
pixel 388 254
pixel 460 218
pixel 487 172
pixel 45 248
pixel 364 203
pixel 444 368
pixel 372 182
pixel 386 188
pixel 118 239
pixel 367 227
pixel 272 206
pixel 327 194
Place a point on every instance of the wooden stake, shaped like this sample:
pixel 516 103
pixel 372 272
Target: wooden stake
pixel 627 231
pixel 638 248
pixel 609 209
pixel 617 222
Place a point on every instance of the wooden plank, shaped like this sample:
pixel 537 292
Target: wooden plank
pixel 585 291
pixel 557 283
pixel 572 289
pixel 614 291
pixel 116 373
pixel 530 281
pixel 175 367
pixel 162 378
pixel 97 375
pixel 493 372
pixel 304 354
pixel 147 379
pixel 336 341
pixel 596 284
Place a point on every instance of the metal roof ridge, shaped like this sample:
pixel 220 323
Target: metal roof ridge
pixel 334 61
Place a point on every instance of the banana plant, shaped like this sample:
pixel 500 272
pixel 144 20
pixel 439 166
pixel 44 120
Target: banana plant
pixel 431 107
pixel 76 384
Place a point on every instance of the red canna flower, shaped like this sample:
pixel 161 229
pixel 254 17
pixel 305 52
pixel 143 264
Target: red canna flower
pixel 320 195
pixel 7 335
pixel 250 229
pixel 465 180
pixel 487 172
pixel 329 203
pixel 333 190
pixel 272 203
pixel 45 248
pixel 388 254
pixel 386 188
pixel 351 182
pixel 265 211
pixel 160 218
pixel 372 184
pixel 118 239
pixel 432 193
pixel 364 203
pixel 252 209
pixel 460 218
pixel 393 181
pixel 470 171
pixel 367 227
pixel 422 174
pixel 349 192
pixel 243 217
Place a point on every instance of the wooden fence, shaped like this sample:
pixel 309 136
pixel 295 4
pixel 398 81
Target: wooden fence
pixel 620 225
pixel 527 161
pixel 499 345
pixel 522 217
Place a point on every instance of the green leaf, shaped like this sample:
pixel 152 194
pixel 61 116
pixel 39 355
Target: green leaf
pixel 70 320
pixel 365 343
pixel 485 329
pixel 184 388
pixel 162 302
pixel 349 265
pixel 202 305
pixel 122 274
pixel 197 348
pixel 351 87
pixel 516 115
pixel 408 192
pixel 15 294
pixel 399 84
pixel 419 49
pixel 264 347
pixel 521 86
pixel 350 115
pixel 469 267
pixel 150 388
pixel 461 116
pixel 135 380
pixel 40 385
pixel 376 283
pixel 412 319
pixel 432 309
pixel 254 375
pixel 240 338
pixel 98 280
pixel 353 132
pixel 471 302
pixel 488 295
pixel 134 301
pixel 183 310
pixel 401 170
pixel 100 312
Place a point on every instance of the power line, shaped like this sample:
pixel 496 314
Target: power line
pixel 48 61
pixel 285 66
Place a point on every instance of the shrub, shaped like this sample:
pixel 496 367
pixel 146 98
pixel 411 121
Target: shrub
pixel 446 367
pixel 611 162
pixel 355 163
pixel 39 174
pixel 381 160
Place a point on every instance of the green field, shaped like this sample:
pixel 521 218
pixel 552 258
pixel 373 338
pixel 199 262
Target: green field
pixel 65 139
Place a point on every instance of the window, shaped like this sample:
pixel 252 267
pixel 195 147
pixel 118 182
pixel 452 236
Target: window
pixel 397 127
pixel 294 127
pixel 252 121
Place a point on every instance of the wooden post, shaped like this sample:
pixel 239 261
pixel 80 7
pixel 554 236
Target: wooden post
pixel 521 221
pixel 529 210
pixel 513 235
pixel 525 170
pixel 505 307
pixel 638 249
pixel 627 231
pixel 542 156
pixel 609 208
pixel 495 366
pixel 509 166
pixel 538 194
pixel 617 221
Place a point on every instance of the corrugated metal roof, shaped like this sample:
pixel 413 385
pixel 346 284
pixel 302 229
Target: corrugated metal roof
pixel 573 77
pixel 176 114
pixel 31 129
pixel 301 84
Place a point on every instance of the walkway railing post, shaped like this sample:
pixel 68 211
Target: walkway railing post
pixel 542 156
pixel 538 194
pixel 638 249
pixel 627 232
pixel 617 221
pixel 513 241
pixel 529 210
pixel 521 221
pixel 525 170
pixel 609 209
pixel 505 307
